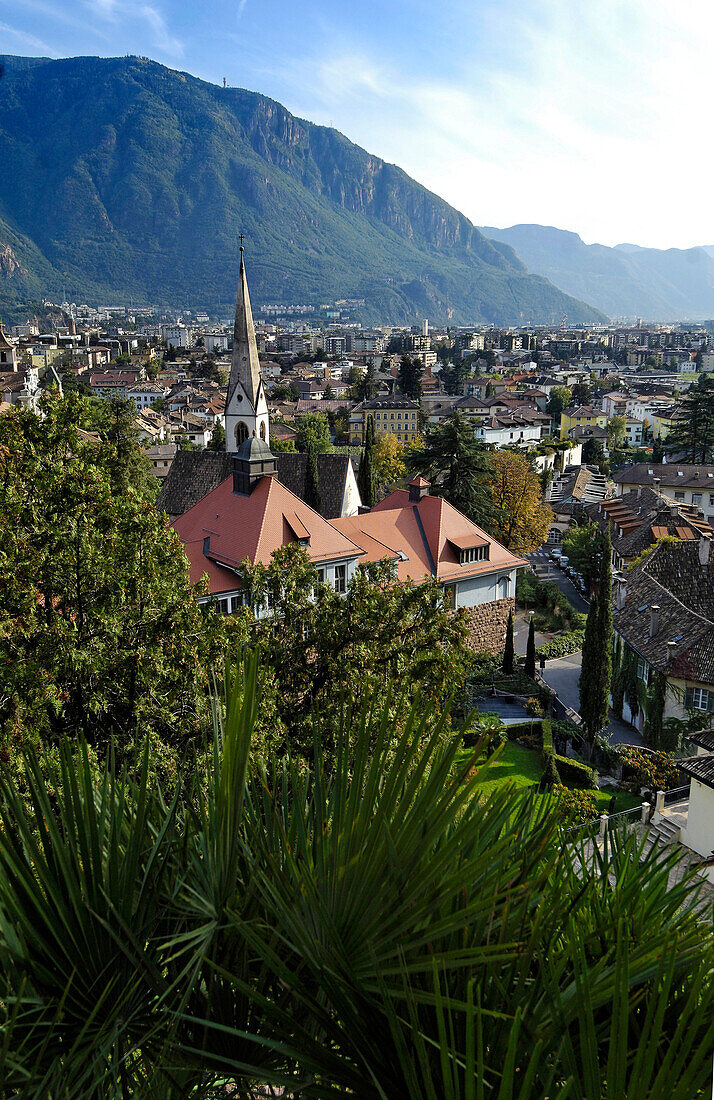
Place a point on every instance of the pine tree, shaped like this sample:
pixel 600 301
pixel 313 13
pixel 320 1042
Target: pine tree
pixel 693 433
pixel 508 650
pixel 409 377
pixel 312 485
pixel 458 467
pixel 365 474
pixel 531 652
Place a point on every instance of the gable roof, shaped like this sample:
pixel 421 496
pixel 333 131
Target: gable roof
pixel 226 528
pixel 194 474
pixel 423 537
pixel 671 578
pixel 676 475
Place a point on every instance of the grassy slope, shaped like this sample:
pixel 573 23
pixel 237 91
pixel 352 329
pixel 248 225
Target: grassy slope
pixel 523 767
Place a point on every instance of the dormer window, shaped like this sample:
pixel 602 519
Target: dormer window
pixel 473 553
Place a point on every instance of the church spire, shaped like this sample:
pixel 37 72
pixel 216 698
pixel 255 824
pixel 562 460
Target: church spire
pixel 245 367
pixel 246 406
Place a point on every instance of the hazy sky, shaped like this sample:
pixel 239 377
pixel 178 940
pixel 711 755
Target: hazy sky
pixel 590 115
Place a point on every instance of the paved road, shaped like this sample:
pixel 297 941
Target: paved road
pixel 547 570
pixel 563 676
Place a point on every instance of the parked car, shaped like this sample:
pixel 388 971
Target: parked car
pixel 555 554
pixel 563 561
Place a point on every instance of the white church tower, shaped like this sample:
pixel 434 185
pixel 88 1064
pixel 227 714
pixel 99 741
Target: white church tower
pixel 246 407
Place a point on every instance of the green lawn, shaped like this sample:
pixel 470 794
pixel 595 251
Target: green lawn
pixel 522 767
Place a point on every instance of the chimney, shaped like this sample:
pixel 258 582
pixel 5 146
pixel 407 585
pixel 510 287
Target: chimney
pixel 418 488
pixel 704 551
pixel 671 647
pixel 656 482
pixel 654 619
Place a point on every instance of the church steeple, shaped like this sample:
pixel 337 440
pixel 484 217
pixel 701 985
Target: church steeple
pixel 246 407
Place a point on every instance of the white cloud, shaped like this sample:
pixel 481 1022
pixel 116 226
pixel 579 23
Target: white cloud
pixel 128 11
pixel 26 41
pixel 582 115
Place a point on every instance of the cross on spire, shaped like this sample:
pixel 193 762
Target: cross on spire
pixel 241 238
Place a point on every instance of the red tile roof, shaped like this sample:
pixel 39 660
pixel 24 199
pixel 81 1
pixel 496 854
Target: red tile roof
pixel 240 527
pixel 421 536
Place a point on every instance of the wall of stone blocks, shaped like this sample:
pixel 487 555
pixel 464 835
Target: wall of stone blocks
pixel 487 625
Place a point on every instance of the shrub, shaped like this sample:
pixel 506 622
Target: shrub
pixel 519 728
pixel 550 778
pixel 575 807
pixel 575 774
pixel 657 771
pixel 547 728
pixel 561 646
pixel 534 707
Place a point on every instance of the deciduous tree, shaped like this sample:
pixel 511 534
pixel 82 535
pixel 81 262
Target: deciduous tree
pixel 521 519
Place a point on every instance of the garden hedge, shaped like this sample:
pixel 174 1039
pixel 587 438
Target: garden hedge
pixel 575 774
pixel 562 645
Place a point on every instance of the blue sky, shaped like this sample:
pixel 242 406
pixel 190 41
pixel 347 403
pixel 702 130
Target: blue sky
pixel 590 115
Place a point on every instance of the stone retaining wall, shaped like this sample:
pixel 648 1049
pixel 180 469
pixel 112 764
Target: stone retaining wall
pixel 487 625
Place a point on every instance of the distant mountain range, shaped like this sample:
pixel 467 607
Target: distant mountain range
pixel 124 180
pixel 627 280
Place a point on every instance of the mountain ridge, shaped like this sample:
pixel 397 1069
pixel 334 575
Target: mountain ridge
pixel 132 181
pixel 624 280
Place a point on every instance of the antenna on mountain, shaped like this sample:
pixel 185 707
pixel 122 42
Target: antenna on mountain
pixel 224 81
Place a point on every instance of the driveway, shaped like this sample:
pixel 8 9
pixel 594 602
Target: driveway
pixel 563 675
pixel 547 570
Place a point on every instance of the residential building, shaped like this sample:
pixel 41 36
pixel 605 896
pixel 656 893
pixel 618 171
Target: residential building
pixel 642 517
pixel 8 354
pixel 664 615
pixel 391 415
pixel 685 483
pixel 581 416
pixel 249 516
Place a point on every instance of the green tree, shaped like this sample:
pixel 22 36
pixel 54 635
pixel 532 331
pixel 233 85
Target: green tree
pixel 508 652
pixel 594 452
pixel 279 446
pixel 312 483
pixel 581 546
pixel 223 939
pixel 530 665
pixel 458 467
pixel 99 629
pixel 217 442
pixel 560 398
pixel 329 393
pixel 366 480
pixel 693 433
pixel 410 376
pixel 616 429
pixel 596 665
pixel 283 391
pixel 582 393
pixel 653 731
pixel 658 450
pixel 324 647
pixel 313 432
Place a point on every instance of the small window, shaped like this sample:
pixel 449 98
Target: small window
pixel 340 578
pixel 679 496
pixel 696 498
pixel 699 699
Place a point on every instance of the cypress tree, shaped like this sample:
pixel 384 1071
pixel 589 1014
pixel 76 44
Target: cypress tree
pixel 531 652
pixel 596 665
pixel 508 650
pixel 604 634
pixel 312 484
pixel 365 473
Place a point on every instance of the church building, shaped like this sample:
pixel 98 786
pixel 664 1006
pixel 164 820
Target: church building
pixel 246 406
pixel 246 503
